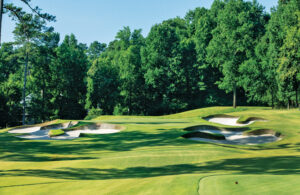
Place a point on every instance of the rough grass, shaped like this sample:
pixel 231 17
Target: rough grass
pixel 151 157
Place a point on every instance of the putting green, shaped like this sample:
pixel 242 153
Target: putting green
pixel 249 184
pixel 149 156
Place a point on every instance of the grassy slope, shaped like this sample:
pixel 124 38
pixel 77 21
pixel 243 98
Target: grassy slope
pixel 56 132
pixel 150 157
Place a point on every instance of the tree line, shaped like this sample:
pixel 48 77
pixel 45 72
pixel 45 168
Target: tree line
pixel 234 53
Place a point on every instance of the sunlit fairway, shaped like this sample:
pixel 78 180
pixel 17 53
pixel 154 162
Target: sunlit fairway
pixel 150 157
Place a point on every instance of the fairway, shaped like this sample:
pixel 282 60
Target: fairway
pixel 149 156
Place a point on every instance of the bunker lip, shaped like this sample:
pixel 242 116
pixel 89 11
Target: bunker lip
pixel 202 134
pixel 231 120
pixel 264 132
pixel 30 128
pixel 60 125
pixel 71 130
pixel 233 136
pixel 248 119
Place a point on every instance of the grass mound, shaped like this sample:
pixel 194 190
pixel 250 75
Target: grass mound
pixel 245 119
pixel 203 127
pixel 62 125
pixel 56 132
pixel 263 132
pixel 210 127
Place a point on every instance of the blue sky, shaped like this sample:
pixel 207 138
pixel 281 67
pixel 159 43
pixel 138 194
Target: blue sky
pixel 100 20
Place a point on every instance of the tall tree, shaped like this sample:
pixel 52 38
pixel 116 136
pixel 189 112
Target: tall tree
pixel 10 86
pixel 132 83
pixel 9 63
pixel 169 60
pixel 102 86
pixel 68 75
pixel 27 31
pixel 201 23
pixel 1 14
pixel 239 25
pixel 10 95
pixel 264 83
pixel 289 66
pixel 95 49
pixel 17 12
pixel 40 80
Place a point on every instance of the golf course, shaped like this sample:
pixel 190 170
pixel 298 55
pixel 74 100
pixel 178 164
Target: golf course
pixel 173 97
pixel 149 155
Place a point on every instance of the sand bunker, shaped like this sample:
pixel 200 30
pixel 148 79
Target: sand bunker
pixel 231 121
pixel 25 130
pixel 42 133
pixel 76 133
pixel 239 137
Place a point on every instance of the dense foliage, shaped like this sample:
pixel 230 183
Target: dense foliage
pixel 184 63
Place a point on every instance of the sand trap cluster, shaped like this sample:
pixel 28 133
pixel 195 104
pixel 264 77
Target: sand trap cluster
pixel 231 121
pixel 42 133
pixel 234 136
pixel 238 138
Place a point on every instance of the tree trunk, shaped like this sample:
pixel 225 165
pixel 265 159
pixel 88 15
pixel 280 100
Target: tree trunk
pixel 288 105
pixel 234 96
pixel 1 13
pixel 24 88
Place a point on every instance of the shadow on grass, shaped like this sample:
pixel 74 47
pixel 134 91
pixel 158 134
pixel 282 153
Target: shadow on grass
pixel 32 184
pixel 282 165
pixel 28 157
pixel 16 149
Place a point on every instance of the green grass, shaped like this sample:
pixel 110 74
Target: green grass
pixel 150 157
pixel 56 132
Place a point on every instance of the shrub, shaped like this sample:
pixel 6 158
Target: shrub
pixel 119 110
pixel 93 113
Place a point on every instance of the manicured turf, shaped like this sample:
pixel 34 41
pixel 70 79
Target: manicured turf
pixel 151 157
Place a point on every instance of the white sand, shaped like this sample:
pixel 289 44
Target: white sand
pixel 228 121
pixel 35 133
pixel 25 130
pixel 77 133
pixel 43 135
pixel 237 138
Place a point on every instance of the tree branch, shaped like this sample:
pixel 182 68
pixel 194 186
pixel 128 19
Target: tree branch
pixel 37 11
